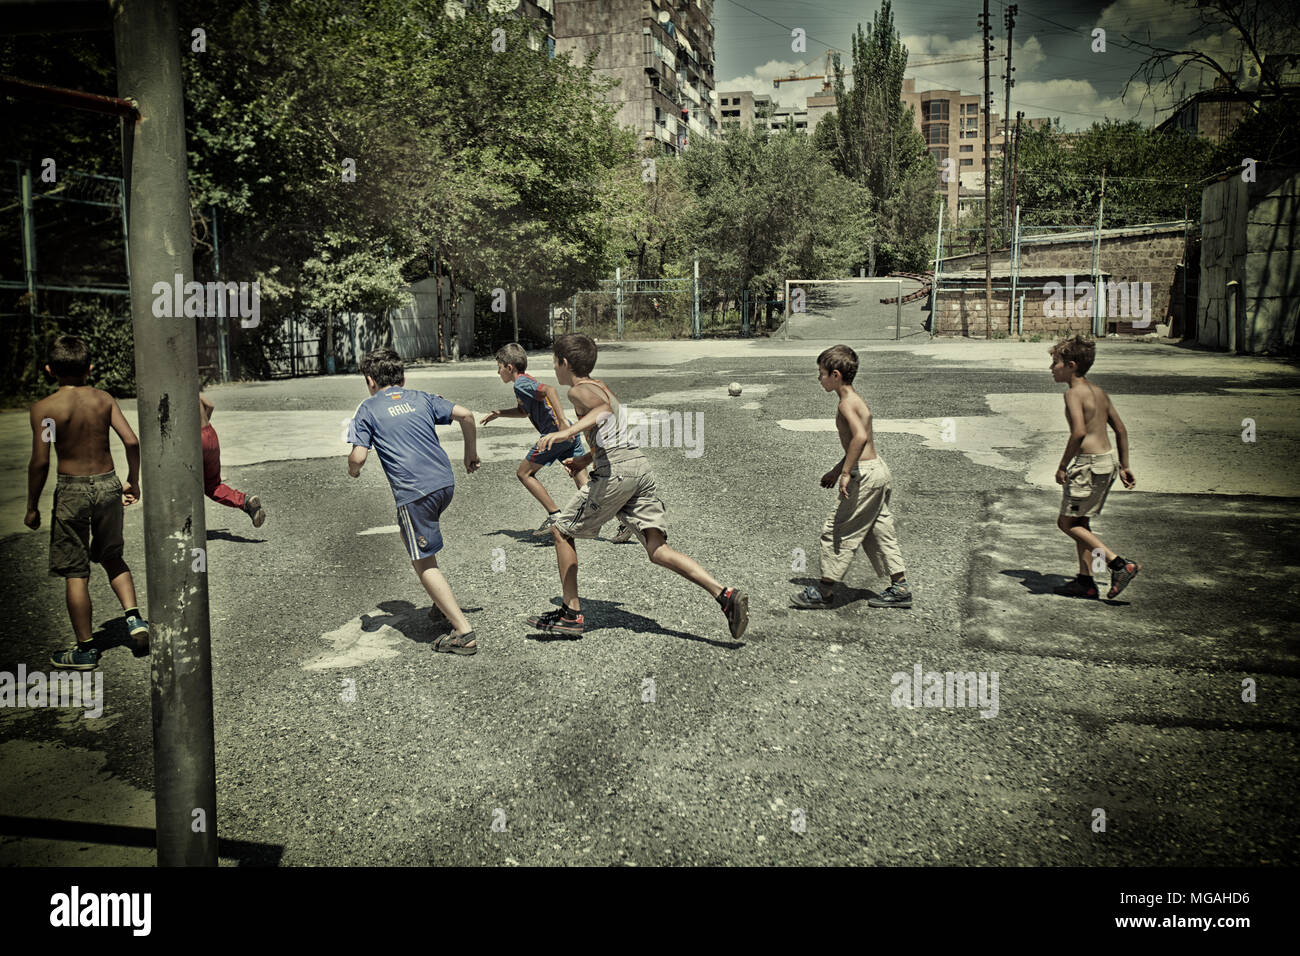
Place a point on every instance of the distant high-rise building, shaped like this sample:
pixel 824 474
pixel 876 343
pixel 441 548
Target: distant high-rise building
pixel 661 51
pixel 950 122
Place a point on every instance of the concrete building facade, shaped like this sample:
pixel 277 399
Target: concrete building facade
pixel 661 51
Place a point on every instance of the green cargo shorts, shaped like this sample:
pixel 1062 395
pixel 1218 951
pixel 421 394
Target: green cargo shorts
pixel 86 525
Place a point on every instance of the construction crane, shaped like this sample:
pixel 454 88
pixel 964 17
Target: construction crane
pixel 828 73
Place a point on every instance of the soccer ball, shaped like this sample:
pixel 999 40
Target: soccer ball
pixel 733 389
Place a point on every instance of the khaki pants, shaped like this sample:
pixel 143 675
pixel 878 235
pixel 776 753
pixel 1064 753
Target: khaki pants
pixel 863 518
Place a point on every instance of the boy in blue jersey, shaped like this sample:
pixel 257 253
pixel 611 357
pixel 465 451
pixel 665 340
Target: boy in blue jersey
pixel 541 404
pixel 398 423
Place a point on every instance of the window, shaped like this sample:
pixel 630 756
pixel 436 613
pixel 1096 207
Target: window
pixel 967 149
pixel 934 110
pixel 968 162
pixel 935 133
pixel 724 101
pixel 939 155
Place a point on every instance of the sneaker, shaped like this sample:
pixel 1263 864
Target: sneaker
pixel 892 596
pixel 139 629
pixel 1121 576
pixel 1078 588
pixel 812 597
pixel 624 533
pixel 545 527
pixel 558 622
pixel 735 605
pixel 253 505
pixel 76 658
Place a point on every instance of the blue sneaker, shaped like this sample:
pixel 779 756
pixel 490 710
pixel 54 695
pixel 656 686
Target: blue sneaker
pixel 139 629
pixel 76 658
pixel 812 597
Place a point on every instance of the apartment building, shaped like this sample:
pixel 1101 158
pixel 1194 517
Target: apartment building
pixel 662 53
pixel 953 128
pixel 743 109
pixel 543 11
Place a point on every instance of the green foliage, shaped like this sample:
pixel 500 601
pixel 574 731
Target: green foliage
pixel 872 140
pixel 1149 175
pixel 502 165
pixel 765 208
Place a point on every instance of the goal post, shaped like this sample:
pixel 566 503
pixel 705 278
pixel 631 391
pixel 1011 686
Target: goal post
pixel 859 312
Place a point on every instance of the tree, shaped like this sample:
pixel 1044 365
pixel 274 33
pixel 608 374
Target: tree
pixel 1151 175
pixel 872 140
pixel 1268 39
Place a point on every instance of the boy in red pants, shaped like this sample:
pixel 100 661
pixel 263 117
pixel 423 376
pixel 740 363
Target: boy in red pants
pixel 213 486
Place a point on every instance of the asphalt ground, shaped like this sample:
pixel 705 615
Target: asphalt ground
pixel 784 749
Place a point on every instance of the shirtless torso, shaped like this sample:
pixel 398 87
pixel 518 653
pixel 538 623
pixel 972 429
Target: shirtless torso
pixel 1095 405
pixel 82 416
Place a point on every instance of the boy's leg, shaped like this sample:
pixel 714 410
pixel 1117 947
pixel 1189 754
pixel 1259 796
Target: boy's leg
pixel 120 580
pixel 435 583
pixel 1085 541
pixel 566 558
pixel 656 548
pixel 527 475
pixel 213 487
pixel 79 608
pixel 847 527
pixel 886 557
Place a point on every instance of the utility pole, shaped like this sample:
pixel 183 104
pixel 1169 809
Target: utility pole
pixel 988 248
pixel 146 35
pixel 1010 19
pixel 1015 161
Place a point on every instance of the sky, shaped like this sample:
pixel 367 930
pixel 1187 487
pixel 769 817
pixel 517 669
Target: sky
pixel 1057 74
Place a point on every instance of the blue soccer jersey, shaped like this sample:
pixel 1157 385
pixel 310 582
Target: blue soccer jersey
pixel 544 416
pixel 397 422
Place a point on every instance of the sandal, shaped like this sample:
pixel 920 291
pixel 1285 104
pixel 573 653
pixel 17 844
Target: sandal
pixel 456 644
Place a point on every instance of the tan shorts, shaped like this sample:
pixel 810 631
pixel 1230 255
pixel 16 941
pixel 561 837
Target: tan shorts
pixel 86 524
pixel 1087 483
pixel 628 493
pixel 863 519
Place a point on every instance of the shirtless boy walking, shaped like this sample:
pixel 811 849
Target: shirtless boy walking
pixel 86 524
pixel 862 516
pixel 1088 467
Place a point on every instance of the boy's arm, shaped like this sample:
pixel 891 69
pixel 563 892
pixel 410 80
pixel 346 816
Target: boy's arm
pixel 1078 431
pixel 553 396
pixel 515 412
pixel 207 406
pixel 460 413
pixel 1121 439
pixel 131 490
pixel 356 460
pixel 37 472
pixel 860 424
pixel 595 412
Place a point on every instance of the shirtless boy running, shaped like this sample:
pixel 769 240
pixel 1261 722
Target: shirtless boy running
pixel 1088 467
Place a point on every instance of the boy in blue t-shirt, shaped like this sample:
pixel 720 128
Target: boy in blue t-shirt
pixel 398 423
pixel 540 403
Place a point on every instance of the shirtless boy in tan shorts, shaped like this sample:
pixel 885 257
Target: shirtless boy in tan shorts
pixel 1088 468
pixel 86 524
pixel 862 517
pixel 622 486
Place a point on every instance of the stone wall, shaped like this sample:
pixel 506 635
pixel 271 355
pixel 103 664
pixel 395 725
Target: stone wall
pixel 1250 235
pixel 1127 256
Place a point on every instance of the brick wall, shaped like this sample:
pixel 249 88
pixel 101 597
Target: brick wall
pixel 1134 257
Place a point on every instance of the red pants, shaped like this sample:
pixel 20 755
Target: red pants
pixel 212 487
